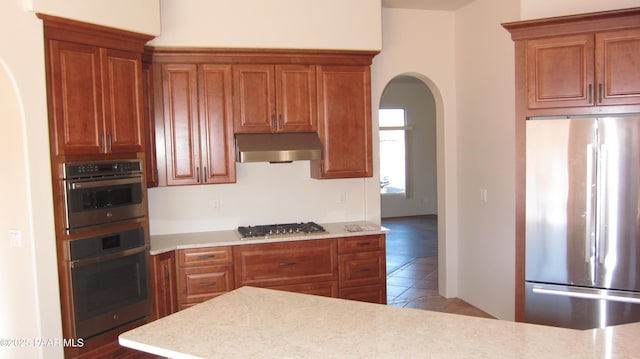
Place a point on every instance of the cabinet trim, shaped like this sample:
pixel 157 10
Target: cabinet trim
pixel 261 56
pixel 574 24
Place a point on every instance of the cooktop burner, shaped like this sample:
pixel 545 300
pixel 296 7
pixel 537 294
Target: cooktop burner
pixel 281 230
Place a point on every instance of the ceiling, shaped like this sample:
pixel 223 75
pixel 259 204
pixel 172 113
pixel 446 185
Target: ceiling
pixel 450 5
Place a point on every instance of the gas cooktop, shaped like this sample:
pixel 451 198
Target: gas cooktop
pixel 281 230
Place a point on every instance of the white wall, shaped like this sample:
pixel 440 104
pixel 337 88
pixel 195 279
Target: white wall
pixel 30 306
pixel 327 24
pixel 486 125
pixel 142 16
pixel 421 43
pixel 533 9
pixel 421 196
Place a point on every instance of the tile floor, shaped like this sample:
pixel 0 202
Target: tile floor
pixel 412 267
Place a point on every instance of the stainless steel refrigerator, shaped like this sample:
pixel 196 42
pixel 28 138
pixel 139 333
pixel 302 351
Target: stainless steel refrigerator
pixel 583 221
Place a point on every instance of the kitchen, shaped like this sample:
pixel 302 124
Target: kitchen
pixel 473 230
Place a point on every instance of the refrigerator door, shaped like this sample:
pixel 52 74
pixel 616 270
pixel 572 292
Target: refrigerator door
pixel 579 308
pixel 618 232
pixel 560 200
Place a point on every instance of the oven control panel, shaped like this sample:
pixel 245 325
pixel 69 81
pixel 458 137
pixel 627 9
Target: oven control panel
pixel 102 168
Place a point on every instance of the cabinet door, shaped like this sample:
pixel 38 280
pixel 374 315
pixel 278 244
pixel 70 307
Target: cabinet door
pixel 148 117
pixel 296 98
pixel 364 268
pixel 75 96
pixel 344 122
pixel 216 126
pixel 560 71
pixel 253 98
pixel 164 279
pixel 198 284
pixel 284 263
pixel 122 89
pixel 182 139
pixel 618 67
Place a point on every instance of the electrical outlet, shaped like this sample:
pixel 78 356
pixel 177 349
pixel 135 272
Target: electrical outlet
pixel 215 204
pixel 15 238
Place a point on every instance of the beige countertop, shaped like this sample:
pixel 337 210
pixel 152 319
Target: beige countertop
pixel 169 242
pixel 263 323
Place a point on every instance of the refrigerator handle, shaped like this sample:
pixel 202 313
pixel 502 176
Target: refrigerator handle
pixel 601 239
pixel 586 293
pixel 589 247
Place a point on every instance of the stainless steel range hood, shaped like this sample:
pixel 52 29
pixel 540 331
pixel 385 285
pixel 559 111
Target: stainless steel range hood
pixel 278 147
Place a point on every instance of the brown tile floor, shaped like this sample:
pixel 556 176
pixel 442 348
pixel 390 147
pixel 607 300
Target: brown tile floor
pixel 415 285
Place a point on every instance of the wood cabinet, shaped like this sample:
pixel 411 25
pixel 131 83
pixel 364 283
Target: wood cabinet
pixel 582 67
pixel 203 273
pixel 344 122
pixel 585 64
pixel 362 269
pixel 198 132
pixel 96 99
pixel 347 267
pixel 286 263
pixel 274 98
pixel 163 276
pixel 149 123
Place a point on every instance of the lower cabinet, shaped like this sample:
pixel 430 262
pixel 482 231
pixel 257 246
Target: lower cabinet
pixel 163 271
pixel 363 268
pixel 348 267
pixel 203 273
pixel 286 263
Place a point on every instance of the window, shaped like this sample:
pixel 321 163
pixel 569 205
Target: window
pixel 393 171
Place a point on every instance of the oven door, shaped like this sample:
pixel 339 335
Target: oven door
pixel 92 202
pixel 110 291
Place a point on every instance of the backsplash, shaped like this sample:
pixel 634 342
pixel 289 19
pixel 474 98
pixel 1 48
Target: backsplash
pixel 264 193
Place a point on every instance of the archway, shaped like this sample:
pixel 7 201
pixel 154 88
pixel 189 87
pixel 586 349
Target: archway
pixel 408 176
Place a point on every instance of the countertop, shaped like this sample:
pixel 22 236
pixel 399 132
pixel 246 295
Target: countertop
pixel 264 323
pixel 169 242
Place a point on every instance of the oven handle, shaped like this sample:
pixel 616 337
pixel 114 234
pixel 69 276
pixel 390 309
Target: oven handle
pixel 103 183
pixel 95 260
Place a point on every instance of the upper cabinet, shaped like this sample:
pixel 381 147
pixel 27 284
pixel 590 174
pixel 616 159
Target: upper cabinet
pixel 344 122
pixel 579 64
pixel 198 132
pixel 95 89
pixel 584 70
pixel 274 98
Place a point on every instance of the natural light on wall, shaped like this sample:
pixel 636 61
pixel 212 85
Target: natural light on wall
pixel 393 178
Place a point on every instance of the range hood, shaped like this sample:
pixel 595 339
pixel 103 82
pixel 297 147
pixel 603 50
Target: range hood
pixel 278 147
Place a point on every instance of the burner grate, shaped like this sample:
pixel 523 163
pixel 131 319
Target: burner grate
pixel 281 230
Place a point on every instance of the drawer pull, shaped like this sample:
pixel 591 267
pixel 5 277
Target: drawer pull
pixel 363 270
pixel 363 244
pixel 287 264
pixel 207 256
pixel 208 284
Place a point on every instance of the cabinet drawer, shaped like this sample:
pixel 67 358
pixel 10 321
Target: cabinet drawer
pixel 201 283
pixel 325 289
pixel 369 293
pixel 204 256
pixel 272 264
pixel 362 268
pixel 361 244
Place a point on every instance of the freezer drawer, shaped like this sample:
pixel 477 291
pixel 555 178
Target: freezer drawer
pixel 578 307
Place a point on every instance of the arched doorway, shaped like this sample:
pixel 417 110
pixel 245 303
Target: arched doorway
pixel 408 176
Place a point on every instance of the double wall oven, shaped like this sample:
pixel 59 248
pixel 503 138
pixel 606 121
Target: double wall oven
pixel 108 270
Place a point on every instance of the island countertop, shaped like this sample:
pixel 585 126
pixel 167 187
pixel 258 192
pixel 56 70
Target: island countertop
pixel 169 242
pixel 264 323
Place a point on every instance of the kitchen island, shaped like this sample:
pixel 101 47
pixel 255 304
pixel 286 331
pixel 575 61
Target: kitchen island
pixel 264 323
